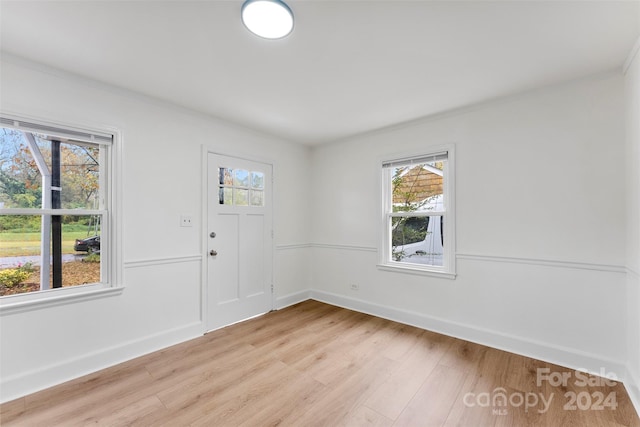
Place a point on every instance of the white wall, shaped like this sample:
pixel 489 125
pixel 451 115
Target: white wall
pixel 632 155
pixel 540 225
pixel 162 179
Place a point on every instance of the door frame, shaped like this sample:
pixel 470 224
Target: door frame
pixel 204 231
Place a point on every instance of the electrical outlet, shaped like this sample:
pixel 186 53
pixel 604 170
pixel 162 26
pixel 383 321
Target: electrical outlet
pixel 186 221
pixel 354 287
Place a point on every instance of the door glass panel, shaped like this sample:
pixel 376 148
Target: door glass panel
pixel 241 178
pixel 257 198
pixel 257 180
pixel 240 197
pixel 226 176
pixel 226 196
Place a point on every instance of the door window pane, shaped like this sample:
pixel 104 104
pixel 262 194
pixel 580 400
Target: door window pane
pixel 240 197
pixel 257 180
pixel 241 178
pixel 226 176
pixel 226 196
pixel 257 198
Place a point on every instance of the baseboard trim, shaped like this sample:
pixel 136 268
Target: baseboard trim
pixel 558 355
pixel 33 381
pixel 633 391
pixel 632 385
pixel 291 299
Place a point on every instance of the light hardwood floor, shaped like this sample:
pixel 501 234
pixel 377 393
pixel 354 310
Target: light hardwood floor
pixel 314 364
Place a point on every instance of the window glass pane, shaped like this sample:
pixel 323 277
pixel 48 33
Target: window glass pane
pixel 257 180
pixel 417 240
pixel 21 184
pixel 241 178
pixel 257 198
pixel 20 248
pixel 19 236
pixel 226 196
pixel 79 176
pixel 81 261
pixel 21 261
pixel 418 188
pixel 240 197
pixel 22 173
pixel 226 176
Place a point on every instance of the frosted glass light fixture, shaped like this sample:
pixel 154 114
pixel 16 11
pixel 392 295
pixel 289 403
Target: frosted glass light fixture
pixel 270 19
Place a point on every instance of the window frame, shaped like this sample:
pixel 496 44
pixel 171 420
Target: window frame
pixel 385 262
pixel 110 211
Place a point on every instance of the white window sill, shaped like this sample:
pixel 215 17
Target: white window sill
pixel 12 304
pixel 420 271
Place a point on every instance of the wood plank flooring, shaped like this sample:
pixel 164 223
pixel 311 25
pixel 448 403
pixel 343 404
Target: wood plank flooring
pixel 314 364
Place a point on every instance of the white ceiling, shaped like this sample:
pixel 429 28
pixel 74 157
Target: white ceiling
pixel 348 67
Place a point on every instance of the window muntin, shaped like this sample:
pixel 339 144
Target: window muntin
pixel 417 213
pixel 48 178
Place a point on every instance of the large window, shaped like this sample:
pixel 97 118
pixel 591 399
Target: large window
pixel 418 232
pixel 55 207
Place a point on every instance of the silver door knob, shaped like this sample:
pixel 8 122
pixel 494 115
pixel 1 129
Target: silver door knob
pixel 213 253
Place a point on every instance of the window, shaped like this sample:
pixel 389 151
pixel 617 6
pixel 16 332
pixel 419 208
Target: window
pixel 55 207
pixel 418 221
pixel 239 187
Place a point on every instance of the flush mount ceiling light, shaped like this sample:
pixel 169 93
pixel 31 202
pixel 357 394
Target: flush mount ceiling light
pixel 270 19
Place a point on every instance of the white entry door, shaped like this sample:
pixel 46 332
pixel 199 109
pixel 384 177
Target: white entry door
pixel 239 235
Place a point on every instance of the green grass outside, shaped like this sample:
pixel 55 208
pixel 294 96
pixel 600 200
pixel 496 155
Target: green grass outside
pixel 28 243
